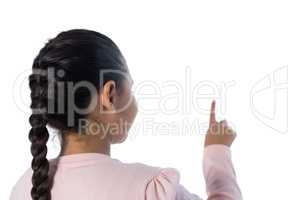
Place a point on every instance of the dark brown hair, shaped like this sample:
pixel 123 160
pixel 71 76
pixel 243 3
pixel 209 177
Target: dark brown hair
pixel 73 56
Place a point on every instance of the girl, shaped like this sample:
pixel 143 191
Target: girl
pixel 81 86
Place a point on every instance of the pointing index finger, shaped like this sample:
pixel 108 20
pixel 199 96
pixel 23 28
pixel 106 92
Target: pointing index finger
pixel 213 112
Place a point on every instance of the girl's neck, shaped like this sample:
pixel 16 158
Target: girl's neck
pixel 73 143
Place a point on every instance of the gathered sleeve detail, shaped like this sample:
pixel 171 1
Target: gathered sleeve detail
pixel 166 186
pixel 163 186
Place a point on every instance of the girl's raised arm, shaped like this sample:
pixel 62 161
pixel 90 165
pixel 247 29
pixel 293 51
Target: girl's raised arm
pixel 218 169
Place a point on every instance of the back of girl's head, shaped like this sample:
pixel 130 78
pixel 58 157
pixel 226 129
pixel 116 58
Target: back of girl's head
pixel 72 57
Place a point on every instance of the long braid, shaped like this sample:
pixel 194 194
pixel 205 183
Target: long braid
pixel 39 135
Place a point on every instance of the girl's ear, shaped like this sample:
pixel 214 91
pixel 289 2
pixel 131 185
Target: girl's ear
pixel 108 95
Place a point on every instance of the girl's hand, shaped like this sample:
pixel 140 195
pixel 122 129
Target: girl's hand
pixel 218 132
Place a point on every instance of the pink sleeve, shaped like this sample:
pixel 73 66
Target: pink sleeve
pixel 166 186
pixel 219 173
pixel 163 185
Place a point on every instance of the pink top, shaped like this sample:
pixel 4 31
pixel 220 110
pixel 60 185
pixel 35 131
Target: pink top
pixel 94 176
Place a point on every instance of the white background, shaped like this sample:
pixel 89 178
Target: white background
pixel 247 43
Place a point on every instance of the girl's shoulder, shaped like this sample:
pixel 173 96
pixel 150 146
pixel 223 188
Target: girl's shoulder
pixel 23 183
pixel 150 172
pixel 154 182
